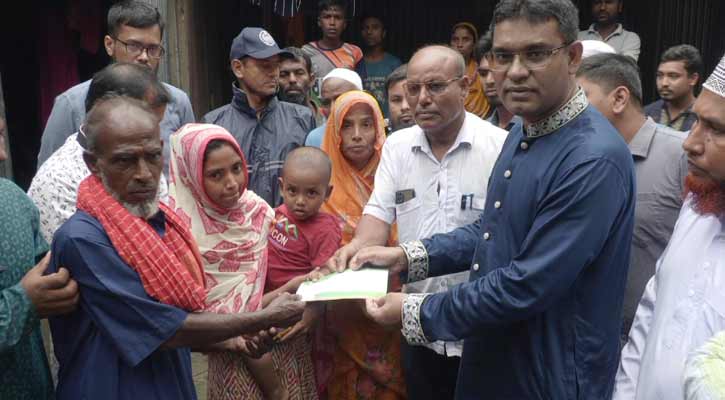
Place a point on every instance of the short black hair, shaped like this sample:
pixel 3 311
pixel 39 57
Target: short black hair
pixel 135 14
pixel 324 5
pixel 215 144
pixel 610 71
pixel 686 53
pixel 300 55
pixel 484 45
pixel 398 74
pixel 126 79
pixel 376 16
pixel 539 11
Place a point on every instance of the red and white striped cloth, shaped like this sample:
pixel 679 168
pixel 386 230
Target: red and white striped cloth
pixel 170 267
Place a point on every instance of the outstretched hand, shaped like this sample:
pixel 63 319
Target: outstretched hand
pixel 254 346
pixel 284 311
pixel 386 311
pixel 339 261
pixel 391 257
pixel 311 315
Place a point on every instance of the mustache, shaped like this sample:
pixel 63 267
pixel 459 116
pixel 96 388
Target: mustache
pixel 135 187
pixel 297 98
pixel 144 210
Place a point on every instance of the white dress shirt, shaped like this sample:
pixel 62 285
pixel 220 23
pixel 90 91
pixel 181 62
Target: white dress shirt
pixel 448 194
pixel 54 189
pixel 683 306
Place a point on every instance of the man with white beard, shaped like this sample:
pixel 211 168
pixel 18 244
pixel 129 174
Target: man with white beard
pixel 140 275
pixel 684 303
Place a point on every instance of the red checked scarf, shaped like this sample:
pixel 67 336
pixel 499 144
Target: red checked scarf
pixel 170 267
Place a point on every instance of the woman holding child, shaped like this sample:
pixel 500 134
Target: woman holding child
pixel 231 225
pixel 366 358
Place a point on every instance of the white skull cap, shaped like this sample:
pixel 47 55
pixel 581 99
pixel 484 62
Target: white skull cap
pixel 594 47
pixel 346 75
pixel 716 82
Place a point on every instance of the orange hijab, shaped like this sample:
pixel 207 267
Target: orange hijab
pixel 351 187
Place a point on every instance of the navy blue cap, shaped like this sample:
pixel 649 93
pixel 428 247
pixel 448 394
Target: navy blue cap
pixel 255 43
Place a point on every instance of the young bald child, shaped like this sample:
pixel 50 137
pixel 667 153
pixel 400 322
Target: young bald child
pixel 301 240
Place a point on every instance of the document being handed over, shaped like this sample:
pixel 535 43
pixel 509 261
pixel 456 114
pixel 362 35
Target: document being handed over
pixel 361 284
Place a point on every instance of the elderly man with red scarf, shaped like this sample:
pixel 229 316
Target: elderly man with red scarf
pixel 140 275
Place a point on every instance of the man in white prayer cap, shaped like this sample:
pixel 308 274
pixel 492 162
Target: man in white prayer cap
pixel 594 47
pixel 684 303
pixel 334 84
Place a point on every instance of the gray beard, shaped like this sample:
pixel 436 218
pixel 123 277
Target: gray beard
pixel 143 210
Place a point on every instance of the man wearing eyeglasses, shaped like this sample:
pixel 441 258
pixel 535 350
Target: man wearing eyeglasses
pixel 548 257
pixel 135 32
pixel 447 158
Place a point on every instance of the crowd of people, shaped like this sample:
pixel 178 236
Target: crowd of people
pixel 548 235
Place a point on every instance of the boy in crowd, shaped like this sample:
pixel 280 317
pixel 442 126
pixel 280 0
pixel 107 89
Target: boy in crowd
pixel 378 63
pixel 331 51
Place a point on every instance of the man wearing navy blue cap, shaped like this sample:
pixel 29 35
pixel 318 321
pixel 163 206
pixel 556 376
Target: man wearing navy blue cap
pixel 266 128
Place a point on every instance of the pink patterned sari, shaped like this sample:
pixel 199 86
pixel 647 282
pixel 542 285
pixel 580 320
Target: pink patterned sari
pixel 233 247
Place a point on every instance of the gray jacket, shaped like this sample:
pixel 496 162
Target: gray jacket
pixel 265 140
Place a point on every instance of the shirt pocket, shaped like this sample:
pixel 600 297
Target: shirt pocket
pixel 654 221
pixel 407 214
pixel 474 205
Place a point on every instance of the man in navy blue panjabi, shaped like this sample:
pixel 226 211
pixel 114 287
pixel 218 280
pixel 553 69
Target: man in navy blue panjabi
pixel 548 259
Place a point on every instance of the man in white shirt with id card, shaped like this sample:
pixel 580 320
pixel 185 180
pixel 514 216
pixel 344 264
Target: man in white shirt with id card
pixel 432 178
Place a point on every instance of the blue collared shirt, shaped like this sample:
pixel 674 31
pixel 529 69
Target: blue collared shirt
pixel 548 262
pixel 314 138
pixel 109 348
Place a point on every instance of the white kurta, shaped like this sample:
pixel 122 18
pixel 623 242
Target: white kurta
pixel 682 307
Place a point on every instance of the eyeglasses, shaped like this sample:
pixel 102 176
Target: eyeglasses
pixel 501 61
pixel 134 49
pixel 433 88
pixel 82 138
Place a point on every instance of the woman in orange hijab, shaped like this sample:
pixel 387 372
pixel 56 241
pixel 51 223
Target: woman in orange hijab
pixel 365 357
pixel 464 38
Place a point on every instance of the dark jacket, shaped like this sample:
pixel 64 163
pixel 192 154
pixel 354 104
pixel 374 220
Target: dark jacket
pixel 265 140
